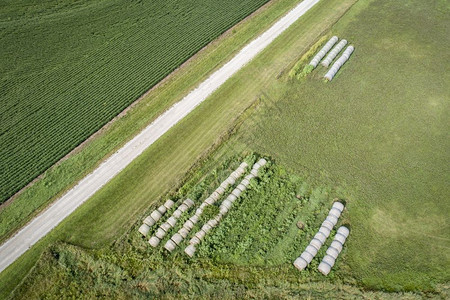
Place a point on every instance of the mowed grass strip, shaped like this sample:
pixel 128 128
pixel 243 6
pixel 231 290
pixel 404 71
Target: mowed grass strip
pixel 111 212
pixel 69 69
pixel 61 177
pixel 379 130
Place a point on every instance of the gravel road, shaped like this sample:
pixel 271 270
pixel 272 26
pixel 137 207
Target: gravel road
pixel 42 224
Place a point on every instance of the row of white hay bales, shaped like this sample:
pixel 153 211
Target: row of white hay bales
pixel 178 237
pixel 170 222
pixel 334 250
pixel 319 239
pixel 224 208
pixel 332 55
pixel 154 217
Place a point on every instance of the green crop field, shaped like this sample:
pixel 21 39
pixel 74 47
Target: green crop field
pixel 68 67
pixel 376 136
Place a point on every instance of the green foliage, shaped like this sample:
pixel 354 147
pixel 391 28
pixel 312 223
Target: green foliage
pixel 66 70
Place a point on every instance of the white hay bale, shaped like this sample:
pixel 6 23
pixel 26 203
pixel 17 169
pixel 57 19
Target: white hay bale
pixel 215 196
pixel 231 198
pixel 326 232
pixel 212 223
pixel 332 219
pixel 226 203
pixel 206 228
pixel 200 234
pixel 177 214
pixel 307 256
pixel 339 206
pixel 223 210
pixel 339 63
pixel 332 252
pixel 300 263
pixel 245 182
pixel 177 238
pixel 160 233
pixel 154 241
pixel 324 268
pixel 168 204
pixel 224 185
pixel 333 53
pixel 156 215
pixel 194 240
pixel 311 250
pixel 236 192
pixel 208 201
pixel 327 224
pixel 241 187
pixel 198 212
pixel 321 237
pixel 183 207
pixel 218 218
pixel 329 260
pixel 316 59
pixel 262 162
pixel 240 171
pixel 170 245
pixel 336 245
pixel 165 226
pixel 254 172
pixel 144 229
pixel 183 232
pixel 188 202
pixel 344 231
pixel 256 166
pixel 243 165
pixel 162 209
pixel 203 205
pixel 335 212
pixel 249 177
pixel 231 180
pixel 316 243
pixel 220 190
pixel 149 221
pixel 340 238
pixel 188 225
pixel 194 219
pixel 190 250
pixel 172 221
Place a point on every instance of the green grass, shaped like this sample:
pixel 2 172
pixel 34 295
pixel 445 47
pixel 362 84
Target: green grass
pixel 57 179
pixel 68 69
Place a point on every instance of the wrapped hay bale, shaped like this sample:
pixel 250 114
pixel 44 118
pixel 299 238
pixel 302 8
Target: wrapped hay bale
pixel 329 260
pixel 190 250
pixel 335 212
pixel 172 221
pixel 249 177
pixel 218 218
pixel 336 245
pixel 307 256
pixel 200 234
pixel 220 190
pixel 324 268
pixel 300 263
pixel 209 201
pixel 177 238
pixel 339 63
pixel 332 252
pixel 149 221
pixel 168 204
pixel 198 212
pixel 241 187
pixel 206 228
pixel 154 241
pixel 245 182
pixel 254 172
pixel 333 53
pixel 226 203
pixel 170 246
pixel 223 210
pixel 194 240
pixel 339 206
pixel 231 181
pixel 243 165
pixel 183 232
pixel 177 214
pixel 215 196
pixel 162 209
pixel 188 202
pixel 340 238
pixel 316 59
pixel 321 237
pixel 188 224
pixel 231 198
pixel 194 219
pixel 212 223
pixel 262 162
pixel 144 229
pixel 165 226
pixel 344 231
pixel 327 224
pixel 204 205
pixel 311 250
pixel 236 192
pixel 160 233
pixel 183 207
pixel 326 232
pixel 316 243
pixel 332 219
pixel 156 215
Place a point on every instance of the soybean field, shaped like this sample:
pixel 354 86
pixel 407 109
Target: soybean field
pixel 68 67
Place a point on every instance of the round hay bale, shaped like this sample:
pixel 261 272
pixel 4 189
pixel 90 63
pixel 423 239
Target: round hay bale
pixel 335 212
pixel 206 227
pixel 311 250
pixel 199 212
pixel 183 232
pixel 321 237
pixel 339 206
pixel 329 260
pixel 194 240
pixel 177 214
pixel 344 231
pixel 154 241
pixel 340 238
pixel 203 205
pixel 208 201
pixel 316 243
pixel 336 245
pixel 189 202
pixel 262 162
pixel 224 185
pixel 162 209
pixel 194 219
pixel 183 207
pixel 245 182
pixel 254 172
pixel 170 246
pixel 300 263
pixel 212 223
pixel 172 221
pixel 231 198
pixel 200 234
pixel 328 225
pixel 223 210
pixel 300 225
pixel 243 165
pixel 326 232
pixel 218 217
pixel 156 215
pixel 256 166
pixel 165 226
pixel 190 250
pixel 231 180
pixel 226 203
pixel 149 221
pixel 236 192
pixel 240 171
pixel 249 177
pixel 324 268
pixel 235 175
pixel 168 204
pixel 241 187
pixel 160 233
pixel 332 252
pixel 215 196
pixel 144 229
pixel 188 224
pixel 307 256
pixel 220 190
pixel 177 238
pixel 332 219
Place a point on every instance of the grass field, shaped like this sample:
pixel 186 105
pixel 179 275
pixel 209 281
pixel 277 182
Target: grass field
pixel 68 67
pixel 376 135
